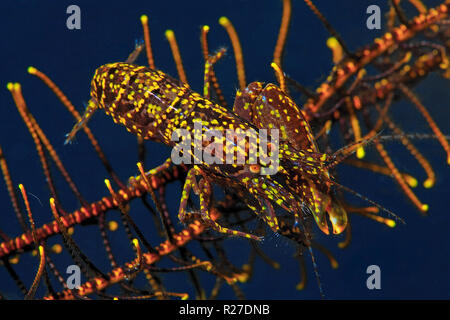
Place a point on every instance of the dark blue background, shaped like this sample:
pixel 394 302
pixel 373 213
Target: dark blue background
pixel 414 258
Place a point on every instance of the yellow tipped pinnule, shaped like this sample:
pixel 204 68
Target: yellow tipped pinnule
pixel 169 33
pixel 300 286
pixel 412 182
pixel 113 226
pixel 334 264
pixel 428 183
pixel 390 223
pixel 242 277
pixel 135 242
pixel 185 297
pixel 336 49
pixel 342 245
pixel 246 267
pixel 425 207
pixel 9 86
pixel 332 42
pixel 205 28
pixel 71 231
pixel 224 21
pixel 31 70
pixel 276 67
pixel 208 265
pixel 144 18
pixel 360 153
pixel 108 184
pixel 444 64
pixel 14 259
pixel 57 248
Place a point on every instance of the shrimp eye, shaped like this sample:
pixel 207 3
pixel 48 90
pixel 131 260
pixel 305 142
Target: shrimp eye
pixel 255 168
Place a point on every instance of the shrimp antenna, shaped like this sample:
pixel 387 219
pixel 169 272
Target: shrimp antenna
pixel 340 186
pixel 316 272
pixel 306 210
pixel 346 151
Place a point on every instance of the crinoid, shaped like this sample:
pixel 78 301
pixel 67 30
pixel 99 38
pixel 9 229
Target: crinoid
pixel 150 254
